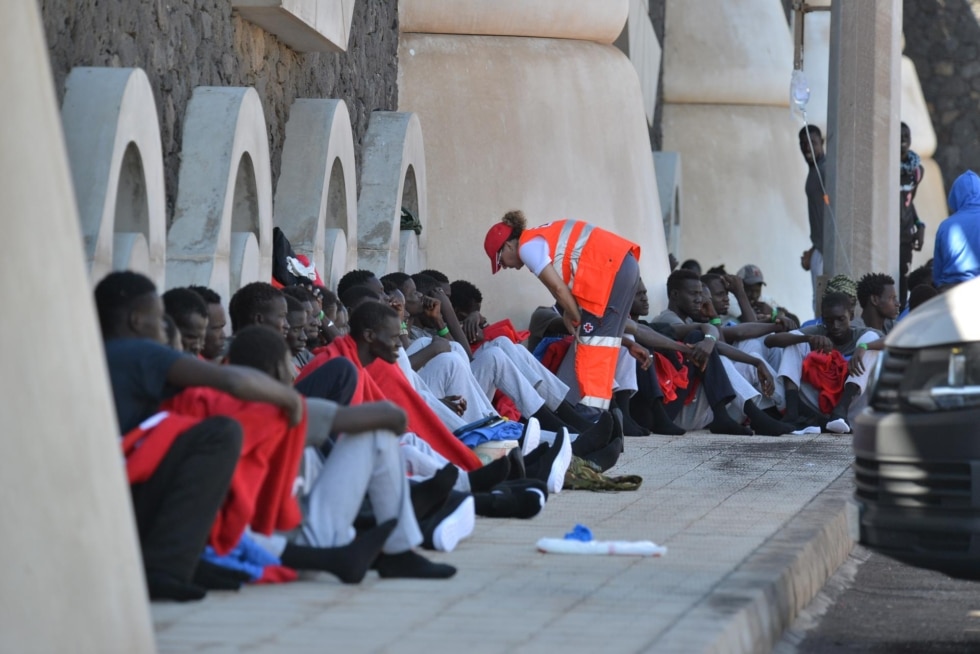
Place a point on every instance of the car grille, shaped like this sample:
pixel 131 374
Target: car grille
pixel 914 485
pixel 894 363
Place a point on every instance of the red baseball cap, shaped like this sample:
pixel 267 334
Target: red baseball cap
pixel 496 237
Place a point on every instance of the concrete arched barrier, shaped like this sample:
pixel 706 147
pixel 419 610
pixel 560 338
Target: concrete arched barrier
pixel 113 139
pixel 74 578
pixel 392 176
pixel 224 194
pixel 317 191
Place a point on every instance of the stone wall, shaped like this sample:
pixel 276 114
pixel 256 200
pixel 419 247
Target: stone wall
pixel 942 37
pixel 182 45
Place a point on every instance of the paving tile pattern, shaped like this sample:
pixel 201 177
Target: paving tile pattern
pixel 719 503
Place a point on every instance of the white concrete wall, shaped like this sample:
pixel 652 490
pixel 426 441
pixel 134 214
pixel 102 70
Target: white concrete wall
pixel 726 111
pixel 555 127
pixel 72 580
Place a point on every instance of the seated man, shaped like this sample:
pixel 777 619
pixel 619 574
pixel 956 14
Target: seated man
pixel 364 460
pixel 492 369
pixel 214 339
pixel 686 299
pixel 179 468
pixel 467 302
pixel 547 464
pixel 297 319
pixel 721 289
pixel 190 314
pixel 648 404
pixel 835 333
pixel 878 300
pixel 259 303
pixel 314 317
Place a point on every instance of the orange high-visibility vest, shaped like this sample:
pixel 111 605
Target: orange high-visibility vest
pixel 586 257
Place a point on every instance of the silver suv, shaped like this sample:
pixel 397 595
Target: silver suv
pixel 917 446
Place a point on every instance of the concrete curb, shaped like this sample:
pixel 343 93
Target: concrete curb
pixel 763 595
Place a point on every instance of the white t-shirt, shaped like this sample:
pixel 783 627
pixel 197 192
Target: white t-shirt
pixel 535 254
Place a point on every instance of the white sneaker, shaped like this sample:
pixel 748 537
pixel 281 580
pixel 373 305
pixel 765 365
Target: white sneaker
pixel 838 426
pixel 532 436
pixel 556 478
pixel 456 526
pixel 813 429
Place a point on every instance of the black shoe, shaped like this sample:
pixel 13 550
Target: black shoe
pixel 608 456
pixel 409 565
pixel 517 470
pixel 596 437
pixel 524 498
pixel 166 587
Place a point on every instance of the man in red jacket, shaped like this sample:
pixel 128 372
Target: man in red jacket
pixel 179 473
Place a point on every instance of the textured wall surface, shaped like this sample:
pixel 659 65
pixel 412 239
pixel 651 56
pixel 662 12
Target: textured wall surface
pixel 942 37
pixel 192 43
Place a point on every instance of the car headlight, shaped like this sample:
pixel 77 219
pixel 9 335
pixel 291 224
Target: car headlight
pixel 940 378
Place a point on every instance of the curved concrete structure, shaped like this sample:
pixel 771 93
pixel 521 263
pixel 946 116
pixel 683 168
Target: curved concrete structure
pixel 639 42
pixel 74 580
pixel 392 176
pixel 225 192
pixel 113 139
pixel 317 189
pixel 335 257
pixel 713 53
pixel 587 20
pixel 554 127
pixel 726 111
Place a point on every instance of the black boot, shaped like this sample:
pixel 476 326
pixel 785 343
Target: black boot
pixel 630 426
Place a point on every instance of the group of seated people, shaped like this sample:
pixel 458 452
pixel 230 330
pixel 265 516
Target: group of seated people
pixel 337 432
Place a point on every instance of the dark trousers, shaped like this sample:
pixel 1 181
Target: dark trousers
pixel 714 379
pixel 336 380
pixel 176 507
pixel 648 392
pixel 904 266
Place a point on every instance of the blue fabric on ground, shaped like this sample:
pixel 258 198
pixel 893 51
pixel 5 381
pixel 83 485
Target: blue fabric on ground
pixel 247 557
pixel 503 431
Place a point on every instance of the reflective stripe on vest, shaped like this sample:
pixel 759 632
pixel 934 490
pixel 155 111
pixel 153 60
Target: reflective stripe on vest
pixel 565 260
pixel 595 402
pixel 601 341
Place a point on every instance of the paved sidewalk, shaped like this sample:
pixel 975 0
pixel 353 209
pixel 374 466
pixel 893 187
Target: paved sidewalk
pixel 750 531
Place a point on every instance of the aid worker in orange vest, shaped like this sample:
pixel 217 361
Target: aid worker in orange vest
pixel 592 273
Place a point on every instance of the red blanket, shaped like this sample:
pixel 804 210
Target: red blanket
pixel 501 328
pixel 145 446
pixel 385 381
pixel 828 374
pixel 261 491
pixel 670 377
